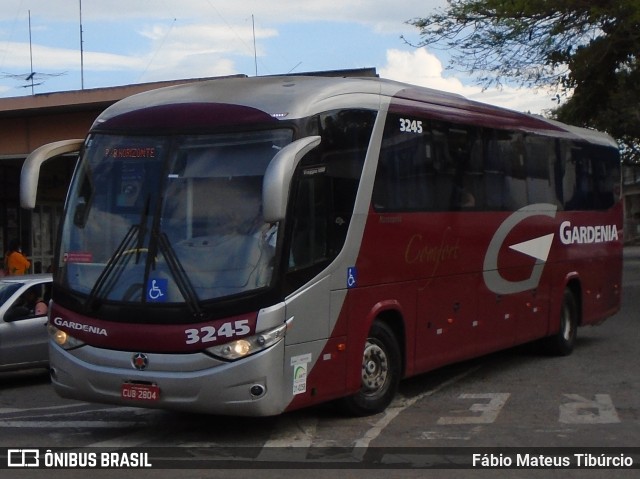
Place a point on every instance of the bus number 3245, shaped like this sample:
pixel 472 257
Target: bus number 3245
pixel 410 126
pixel 209 334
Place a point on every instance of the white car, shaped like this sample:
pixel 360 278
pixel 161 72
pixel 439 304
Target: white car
pixel 23 321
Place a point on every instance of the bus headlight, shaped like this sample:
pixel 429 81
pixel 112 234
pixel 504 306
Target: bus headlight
pixel 241 348
pixel 62 339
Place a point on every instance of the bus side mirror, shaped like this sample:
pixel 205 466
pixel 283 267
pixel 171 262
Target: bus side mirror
pixel 30 173
pixel 277 178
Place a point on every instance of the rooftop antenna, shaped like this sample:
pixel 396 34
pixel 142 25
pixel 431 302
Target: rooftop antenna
pixel 255 53
pixel 32 74
pixel 81 51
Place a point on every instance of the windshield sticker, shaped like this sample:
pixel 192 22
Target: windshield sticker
pixel 147 152
pixel 157 290
pixel 78 257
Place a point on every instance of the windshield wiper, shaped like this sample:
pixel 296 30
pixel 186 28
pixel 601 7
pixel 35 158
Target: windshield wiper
pixel 179 275
pixel 107 279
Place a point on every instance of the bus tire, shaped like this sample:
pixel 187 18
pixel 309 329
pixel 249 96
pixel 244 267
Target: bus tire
pixel 381 370
pixel 562 343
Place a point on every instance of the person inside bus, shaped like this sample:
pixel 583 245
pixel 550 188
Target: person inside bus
pixel 16 263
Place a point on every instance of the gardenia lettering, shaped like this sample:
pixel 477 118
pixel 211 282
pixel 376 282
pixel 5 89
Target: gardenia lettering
pixel 79 326
pixel 587 234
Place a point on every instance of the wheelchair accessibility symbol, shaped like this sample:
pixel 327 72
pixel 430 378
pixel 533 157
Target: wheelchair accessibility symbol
pixel 157 290
pixel 352 277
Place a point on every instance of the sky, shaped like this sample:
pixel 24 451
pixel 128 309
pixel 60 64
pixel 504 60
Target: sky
pixel 136 41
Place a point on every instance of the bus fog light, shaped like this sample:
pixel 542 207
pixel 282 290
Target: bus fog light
pixel 241 348
pixel 257 390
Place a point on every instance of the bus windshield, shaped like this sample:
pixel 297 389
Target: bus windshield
pixel 169 219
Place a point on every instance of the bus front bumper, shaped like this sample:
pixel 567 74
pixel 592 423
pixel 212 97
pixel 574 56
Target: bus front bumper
pixel 197 382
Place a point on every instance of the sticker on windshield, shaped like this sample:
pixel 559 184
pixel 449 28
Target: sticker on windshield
pixel 157 290
pixel 78 257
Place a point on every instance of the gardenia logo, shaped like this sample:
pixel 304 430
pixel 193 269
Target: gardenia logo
pixel 587 234
pixel 58 321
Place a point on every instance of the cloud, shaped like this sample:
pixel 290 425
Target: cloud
pixel 53 59
pixel 206 37
pixel 419 67
pixel 383 14
pixel 199 50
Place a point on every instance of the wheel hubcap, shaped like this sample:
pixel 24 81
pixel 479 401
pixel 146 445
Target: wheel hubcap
pixel 375 368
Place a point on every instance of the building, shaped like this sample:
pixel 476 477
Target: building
pixel 631 191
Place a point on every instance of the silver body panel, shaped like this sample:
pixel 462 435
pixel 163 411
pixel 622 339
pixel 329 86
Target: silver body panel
pixel 189 382
pixel 23 342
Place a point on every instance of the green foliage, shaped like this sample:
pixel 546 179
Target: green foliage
pixel 588 49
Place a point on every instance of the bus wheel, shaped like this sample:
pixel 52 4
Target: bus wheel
pixel 380 372
pixel 562 343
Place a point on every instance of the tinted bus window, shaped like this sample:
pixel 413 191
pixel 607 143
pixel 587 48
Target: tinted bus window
pixel 435 166
pixel 540 153
pixel 588 176
pixel 325 188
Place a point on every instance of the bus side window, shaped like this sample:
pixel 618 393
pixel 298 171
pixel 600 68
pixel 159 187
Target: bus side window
pixel 511 149
pixel 325 187
pixel 406 175
pixel 494 174
pixel 437 169
pixel 540 160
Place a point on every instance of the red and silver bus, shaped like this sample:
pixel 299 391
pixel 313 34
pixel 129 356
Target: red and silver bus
pixel 253 246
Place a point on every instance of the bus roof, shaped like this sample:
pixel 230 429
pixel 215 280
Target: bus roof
pixel 291 97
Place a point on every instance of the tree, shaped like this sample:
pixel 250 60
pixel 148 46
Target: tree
pixel 589 50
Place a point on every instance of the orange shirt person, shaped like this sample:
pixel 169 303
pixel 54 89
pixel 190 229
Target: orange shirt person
pixel 17 263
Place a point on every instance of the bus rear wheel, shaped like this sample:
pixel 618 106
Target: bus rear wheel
pixel 562 343
pixel 380 372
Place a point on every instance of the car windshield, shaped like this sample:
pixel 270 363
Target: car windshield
pixel 169 219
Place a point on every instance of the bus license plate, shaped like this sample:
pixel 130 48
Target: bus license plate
pixel 140 392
